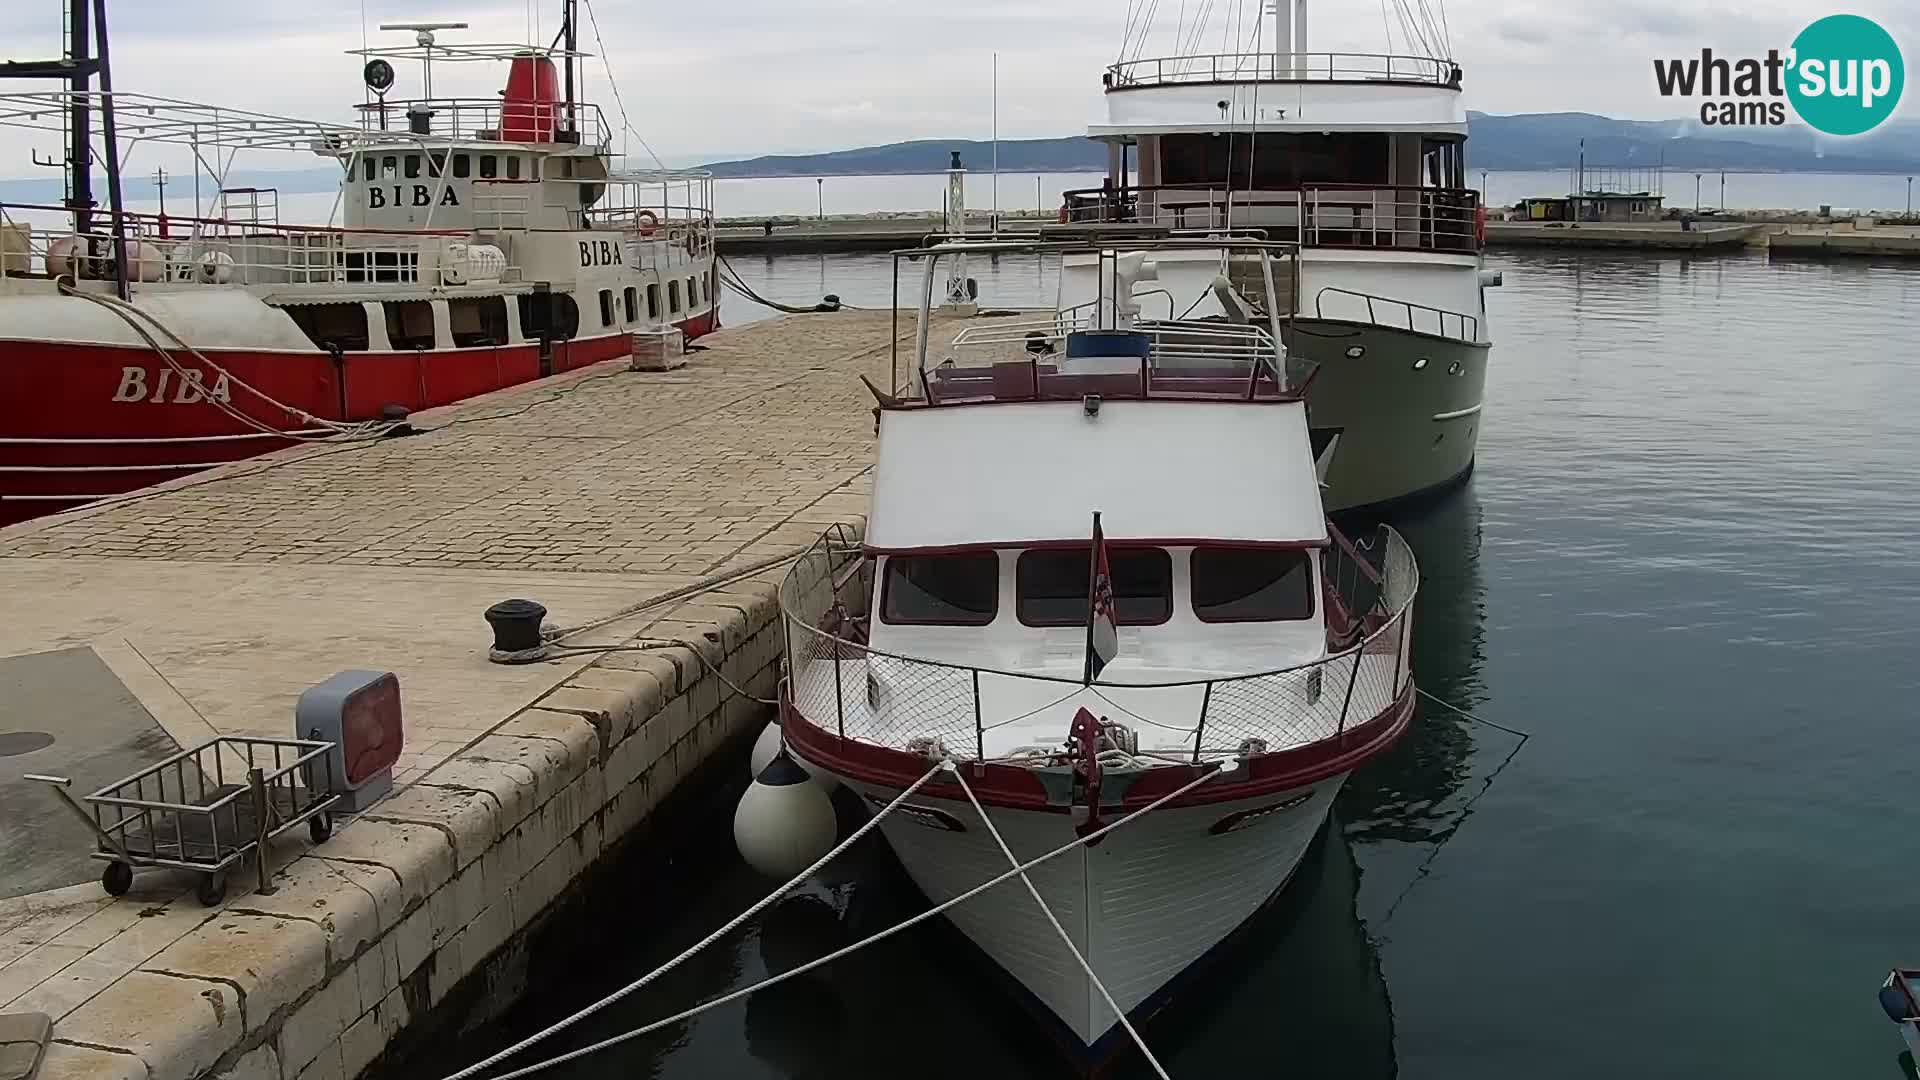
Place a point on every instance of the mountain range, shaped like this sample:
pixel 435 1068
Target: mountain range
pixel 1528 141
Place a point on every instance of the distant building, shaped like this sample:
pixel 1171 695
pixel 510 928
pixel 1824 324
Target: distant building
pixel 1595 206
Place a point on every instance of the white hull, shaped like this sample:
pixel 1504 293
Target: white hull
pixel 1142 905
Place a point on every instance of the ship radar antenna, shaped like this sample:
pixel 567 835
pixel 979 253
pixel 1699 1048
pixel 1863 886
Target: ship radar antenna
pixel 423 36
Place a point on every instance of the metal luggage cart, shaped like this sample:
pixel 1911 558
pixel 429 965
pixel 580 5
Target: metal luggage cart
pixel 207 808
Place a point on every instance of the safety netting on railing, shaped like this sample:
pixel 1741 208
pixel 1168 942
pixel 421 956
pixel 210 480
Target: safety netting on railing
pixel 839 683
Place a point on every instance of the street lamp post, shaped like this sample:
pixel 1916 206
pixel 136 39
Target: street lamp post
pixel 820 198
pixel 1909 196
pixel 1696 192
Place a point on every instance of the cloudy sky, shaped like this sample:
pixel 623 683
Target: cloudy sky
pixel 706 80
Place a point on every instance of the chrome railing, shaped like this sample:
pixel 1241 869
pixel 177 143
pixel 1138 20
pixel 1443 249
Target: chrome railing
pixel 1419 318
pixel 1282 67
pixel 840 684
pixel 1317 215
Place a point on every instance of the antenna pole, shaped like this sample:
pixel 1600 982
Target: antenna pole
pixel 113 151
pixel 80 146
pixel 570 11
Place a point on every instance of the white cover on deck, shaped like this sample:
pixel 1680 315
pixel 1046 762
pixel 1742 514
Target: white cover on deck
pixel 1010 473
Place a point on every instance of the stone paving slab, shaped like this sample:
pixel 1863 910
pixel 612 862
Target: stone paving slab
pixel 218 598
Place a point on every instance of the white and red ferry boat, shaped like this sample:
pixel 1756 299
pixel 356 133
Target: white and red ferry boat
pixel 481 243
pixel 1097 573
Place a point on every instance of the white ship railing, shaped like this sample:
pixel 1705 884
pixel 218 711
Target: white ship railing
pixel 841 685
pixel 1282 67
pixel 481 120
pixel 1394 314
pixel 184 252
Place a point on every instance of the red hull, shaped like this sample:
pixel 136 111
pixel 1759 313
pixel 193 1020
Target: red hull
pixel 81 422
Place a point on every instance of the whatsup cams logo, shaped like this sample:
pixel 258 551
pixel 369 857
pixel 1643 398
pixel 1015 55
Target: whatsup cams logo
pixel 1842 75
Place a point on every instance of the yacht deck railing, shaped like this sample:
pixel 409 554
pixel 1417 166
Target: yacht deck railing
pixel 841 685
pixel 1202 68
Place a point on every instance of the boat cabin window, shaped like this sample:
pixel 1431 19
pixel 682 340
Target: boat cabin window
pixel 1443 163
pixel 513 166
pixel 477 321
pixel 653 301
pixel 1051 586
pixel 437 164
pixel 389 168
pixel 462 166
pixel 552 315
pixel 410 324
pixel 413 166
pixel 691 300
pixel 489 166
pixel 1275 160
pixel 631 301
pixel 673 297
pixel 606 307
pixel 330 326
pixel 1243 584
pixel 961 589
pixel 368 166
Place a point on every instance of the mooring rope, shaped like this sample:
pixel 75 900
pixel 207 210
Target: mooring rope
pixel 687 1014
pixel 1065 937
pixel 733 924
pixel 133 316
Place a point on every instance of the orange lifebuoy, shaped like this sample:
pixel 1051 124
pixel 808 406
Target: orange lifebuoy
pixel 649 221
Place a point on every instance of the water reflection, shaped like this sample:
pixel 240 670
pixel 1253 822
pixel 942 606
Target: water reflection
pixel 1407 794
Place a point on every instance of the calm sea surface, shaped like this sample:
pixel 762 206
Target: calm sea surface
pixel 1687 564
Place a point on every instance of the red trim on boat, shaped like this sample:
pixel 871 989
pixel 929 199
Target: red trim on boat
pixel 1112 542
pixel 1015 787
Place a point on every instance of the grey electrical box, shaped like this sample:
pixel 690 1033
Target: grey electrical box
pixel 359 712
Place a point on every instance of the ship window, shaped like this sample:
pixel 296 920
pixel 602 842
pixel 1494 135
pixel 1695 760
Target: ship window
pixel 437 163
pixel 477 321
pixel 606 307
pixel 389 167
pixel 653 300
pixel 513 166
pixel 691 298
pixel 489 166
pixel 368 166
pixel 1251 584
pixel 631 301
pixel 413 166
pixel 331 325
pixel 673 297
pixel 1051 584
pixel 462 166
pixel 960 589
pixel 410 324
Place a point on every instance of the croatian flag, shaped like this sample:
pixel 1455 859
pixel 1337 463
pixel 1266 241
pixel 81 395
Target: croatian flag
pixel 1103 636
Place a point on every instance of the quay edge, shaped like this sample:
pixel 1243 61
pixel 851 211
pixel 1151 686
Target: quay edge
pixel 215 599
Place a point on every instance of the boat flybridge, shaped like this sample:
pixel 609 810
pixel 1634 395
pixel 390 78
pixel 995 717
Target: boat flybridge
pixel 1098 606
pixel 1358 159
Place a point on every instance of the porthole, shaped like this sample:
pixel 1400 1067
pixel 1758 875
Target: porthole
pixel 1453 368
pixel 1355 352
pixel 1420 364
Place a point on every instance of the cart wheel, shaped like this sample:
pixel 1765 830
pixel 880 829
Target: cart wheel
pixel 212 890
pixel 320 826
pixel 117 878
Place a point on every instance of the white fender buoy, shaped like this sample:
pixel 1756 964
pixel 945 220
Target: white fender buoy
pixel 784 821
pixel 768 745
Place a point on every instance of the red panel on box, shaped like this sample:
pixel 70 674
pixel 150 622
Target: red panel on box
pixel 370 730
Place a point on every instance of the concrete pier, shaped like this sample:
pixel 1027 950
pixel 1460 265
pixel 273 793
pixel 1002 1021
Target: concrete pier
pixel 212 602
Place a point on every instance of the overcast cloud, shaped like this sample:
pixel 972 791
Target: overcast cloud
pixel 706 80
